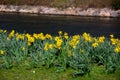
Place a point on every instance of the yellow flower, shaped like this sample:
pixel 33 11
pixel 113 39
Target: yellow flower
pixel 5 31
pixel 101 39
pixel 30 38
pixel 60 33
pixel 74 41
pixel 57 38
pixel 2 52
pixel 114 41
pixel 48 46
pixel 74 46
pixel 29 43
pixel 95 44
pixel 20 36
pixel 35 36
pixel 48 36
pixel 41 36
pixel 11 34
pixel 95 39
pixel 87 37
pixel 59 43
pixel 117 49
pixel 23 48
pixel 66 35
pixel 111 35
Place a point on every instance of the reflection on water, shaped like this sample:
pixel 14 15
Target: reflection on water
pixel 33 23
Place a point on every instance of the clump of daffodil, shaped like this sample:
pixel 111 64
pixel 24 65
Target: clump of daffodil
pixel 20 36
pixel 95 44
pixel 48 46
pixel 58 41
pixel 2 52
pixel 60 33
pixel 41 36
pixel 117 49
pixel 97 41
pixel 35 36
pixel 111 36
pixel 3 31
pixel 48 36
pixel 101 39
pixel 113 40
pixel 87 37
pixel 66 35
pixel 30 39
pixel 11 34
pixel 74 41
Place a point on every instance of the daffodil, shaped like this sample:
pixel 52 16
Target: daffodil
pixel 74 41
pixel 30 38
pixel 35 36
pixel 87 37
pixel 23 48
pixel 117 49
pixel 29 43
pixel 57 38
pixel 20 36
pixel 95 44
pixel 66 35
pixel 101 39
pixel 48 46
pixel 41 36
pixel 3 31
pixel 11 34
pixel 114 41
pixel 48 36
pixel 60 33
pixel 59 43
pixel 2 52
pixel 111 35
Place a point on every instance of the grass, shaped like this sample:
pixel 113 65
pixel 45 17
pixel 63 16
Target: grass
pixel 20 73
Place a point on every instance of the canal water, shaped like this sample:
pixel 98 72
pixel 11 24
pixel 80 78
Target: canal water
pixel 34 23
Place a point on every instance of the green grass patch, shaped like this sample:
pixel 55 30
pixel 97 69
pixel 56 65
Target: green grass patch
pixel 20 73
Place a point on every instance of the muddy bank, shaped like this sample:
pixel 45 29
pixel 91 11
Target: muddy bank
pixel 105 12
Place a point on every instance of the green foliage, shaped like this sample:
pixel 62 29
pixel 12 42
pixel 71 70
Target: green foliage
pixel 116 4
pixel 66 3
pixel 77 52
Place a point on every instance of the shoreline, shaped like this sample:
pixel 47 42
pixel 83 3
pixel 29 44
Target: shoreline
pixel 99 12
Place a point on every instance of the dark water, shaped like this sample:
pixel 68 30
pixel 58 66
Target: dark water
pixel 31 23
